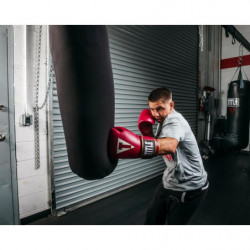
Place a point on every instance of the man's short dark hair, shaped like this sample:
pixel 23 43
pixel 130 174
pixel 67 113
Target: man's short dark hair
pixel 161 93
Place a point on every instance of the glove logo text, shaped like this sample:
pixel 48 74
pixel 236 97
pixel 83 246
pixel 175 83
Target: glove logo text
pixel 123 146
pixel 233 102
pixel 149 147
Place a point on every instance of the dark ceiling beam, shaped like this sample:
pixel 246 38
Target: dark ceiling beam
pixel 237 35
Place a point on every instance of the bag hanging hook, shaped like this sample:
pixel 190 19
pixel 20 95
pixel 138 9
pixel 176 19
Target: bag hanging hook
pixel 233 40
pixel 240 54
pixel 233 37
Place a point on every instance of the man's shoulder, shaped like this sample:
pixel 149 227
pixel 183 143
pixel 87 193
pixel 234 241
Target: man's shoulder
pixel 174 117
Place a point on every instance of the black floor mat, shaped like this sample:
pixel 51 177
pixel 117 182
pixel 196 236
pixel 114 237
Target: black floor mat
pixel 227 201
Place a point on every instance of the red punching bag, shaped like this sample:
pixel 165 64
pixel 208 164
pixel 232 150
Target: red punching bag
pixel 237 136
pixel 85 87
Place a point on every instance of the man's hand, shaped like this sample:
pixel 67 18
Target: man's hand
pixel 145 123
pixel 125 144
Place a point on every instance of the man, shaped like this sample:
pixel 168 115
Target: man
pixel 184 183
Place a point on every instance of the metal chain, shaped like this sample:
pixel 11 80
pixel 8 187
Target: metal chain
pixel 51 74
pixel 36 106
pixel 240 54
pixel 201 37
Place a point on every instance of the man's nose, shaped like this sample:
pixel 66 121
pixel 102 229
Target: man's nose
pixel 155 113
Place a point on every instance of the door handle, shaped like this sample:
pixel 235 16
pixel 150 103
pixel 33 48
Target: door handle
pixel 2 137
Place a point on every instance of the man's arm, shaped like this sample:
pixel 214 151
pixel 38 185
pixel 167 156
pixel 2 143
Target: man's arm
pixel 167 145
pixel 123 144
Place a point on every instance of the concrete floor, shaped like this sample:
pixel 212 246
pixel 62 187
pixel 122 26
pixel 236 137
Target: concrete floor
pixel 227 201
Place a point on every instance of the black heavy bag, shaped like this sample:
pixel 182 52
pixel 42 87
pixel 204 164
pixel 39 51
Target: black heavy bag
pixel 85 87
pixel 237 135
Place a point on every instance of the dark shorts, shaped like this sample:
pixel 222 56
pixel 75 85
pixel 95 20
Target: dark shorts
pixel 174 207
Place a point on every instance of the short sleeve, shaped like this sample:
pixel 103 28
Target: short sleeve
pixel 173 129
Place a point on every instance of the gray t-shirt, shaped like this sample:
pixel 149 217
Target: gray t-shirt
pixel 185 170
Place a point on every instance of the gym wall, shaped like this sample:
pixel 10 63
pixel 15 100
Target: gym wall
pixel 143 58
pixel 136 72
pixel 33 185
pixel 229 53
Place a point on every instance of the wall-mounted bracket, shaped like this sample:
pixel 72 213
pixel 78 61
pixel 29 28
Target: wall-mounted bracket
pixel 236 35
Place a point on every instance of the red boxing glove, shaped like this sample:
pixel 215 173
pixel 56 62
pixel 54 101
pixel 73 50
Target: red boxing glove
pixel 145 123
pixel 125 144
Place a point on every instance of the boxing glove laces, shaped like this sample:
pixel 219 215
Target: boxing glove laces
pixel 145 123
pixel 124 144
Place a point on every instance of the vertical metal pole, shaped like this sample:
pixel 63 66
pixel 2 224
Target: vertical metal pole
pixel 208 127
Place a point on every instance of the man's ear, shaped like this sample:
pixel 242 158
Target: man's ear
pixel 172 105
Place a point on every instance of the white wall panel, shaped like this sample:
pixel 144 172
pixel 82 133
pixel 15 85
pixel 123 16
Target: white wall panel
pixel 25 169
pixel 33 186
pixel 26 150
pixel 34 203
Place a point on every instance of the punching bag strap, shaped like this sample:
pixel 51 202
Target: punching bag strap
pixel 240 78
pixel 235 73
pixel 244 74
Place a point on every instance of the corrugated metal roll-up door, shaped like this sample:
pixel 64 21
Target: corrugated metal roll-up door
pixel 143 57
